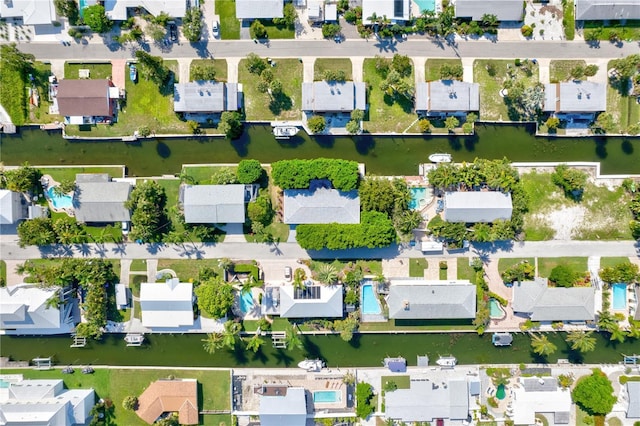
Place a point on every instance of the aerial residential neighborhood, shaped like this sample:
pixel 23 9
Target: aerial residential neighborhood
pixel 319 212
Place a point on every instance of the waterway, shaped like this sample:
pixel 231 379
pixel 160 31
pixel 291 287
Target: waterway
pixel 364 350
pixel 383 155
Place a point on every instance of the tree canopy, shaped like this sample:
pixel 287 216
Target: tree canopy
pixel 249 171
pixel 96 18
pixel 192 24
pixel 563 276
pixel 231 124
pixel 298 174
pixel 594 393
pixel 23 179
pixel 149 217
pixel 152 67
pixel 215 297
pixel 572 181
pixel 625 272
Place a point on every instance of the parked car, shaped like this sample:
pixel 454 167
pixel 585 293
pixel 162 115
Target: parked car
pixel 287 273
pixel 215 29
pixel 125 228
pixel 173 32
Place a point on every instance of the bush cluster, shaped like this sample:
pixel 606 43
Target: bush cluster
pixel 298 174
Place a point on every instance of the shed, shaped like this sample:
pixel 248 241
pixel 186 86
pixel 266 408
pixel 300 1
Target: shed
pixel 330 12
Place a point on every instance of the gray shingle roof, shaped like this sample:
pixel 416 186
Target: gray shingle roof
pixel 545 303
pixel 505 10
pixel 575 96
pixel 287 410
pixel 477 206
pixel 599 10
pixel 323 96
pixel 426 401
pixel 323 205
pixel 214 203
pixel 633 389
pixel 329 305
pixel 416 298
pixel 102 202
pixel 447 96
pixel 540 384
pixel 259 9
pixel 205 96
pixel 394 10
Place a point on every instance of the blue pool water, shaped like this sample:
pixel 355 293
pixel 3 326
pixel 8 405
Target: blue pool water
pixel 4 384
pixel 429 5
pixel 246 301
pixel 494 309
pixel 418 197
pixel 327 396
pixel 619 296
pixel 59 202
pixel 370 304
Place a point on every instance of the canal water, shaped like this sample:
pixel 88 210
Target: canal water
pixel 367 350
pixel 383 155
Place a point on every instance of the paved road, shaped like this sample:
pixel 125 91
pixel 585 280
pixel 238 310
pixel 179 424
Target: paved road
pixel 350 48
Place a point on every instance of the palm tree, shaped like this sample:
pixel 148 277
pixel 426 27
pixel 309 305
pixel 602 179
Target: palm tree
pixel 581 341
pixel 327 273
pixel 255 342
pixel 292 339
pixel 231 334
pixel 54 301
pixel 299 276
pixel 225 263
pixel 213 343
pixel 541 345
pixel 617 334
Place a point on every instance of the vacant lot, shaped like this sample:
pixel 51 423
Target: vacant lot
pixel 624 109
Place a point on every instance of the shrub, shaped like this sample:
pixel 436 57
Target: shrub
pixel 316 124
pixel 364 393
pixel 192 24
pixel 330 30
pixel 563 276
pixel 552 123
pixel 258 30
pixel 591 70
pixel 249 171
pixel 130 402
pixel 298 174
pixel 572 181
pixel 424 125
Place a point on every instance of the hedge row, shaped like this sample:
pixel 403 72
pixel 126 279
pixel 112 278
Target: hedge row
pixel 298 174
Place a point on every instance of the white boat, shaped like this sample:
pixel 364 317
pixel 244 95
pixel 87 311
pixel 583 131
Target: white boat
pixel 285 132
pixel 134 339
pixel 447 361
pixel 311 364
pixel 440 158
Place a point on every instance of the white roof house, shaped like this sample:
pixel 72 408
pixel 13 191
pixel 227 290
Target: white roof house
pixel 505 10
pixel 427 401
pixel 633 390
pixel 116 10
pixel 333 96
pixel 214 203
pixel 312 301
pixel 575 96
pixel 394 10
pixel 32 12
pixel 541 395
pixel 477 206
pixel 330 12
pixel 23 310
pixel 600 10
pixel 166 305
pixel 122 298
pixel 40 402
pixel 11 209
pixel 322 205
pixel 283 406
pixel 447 96
pixel 205 97
pixel 417 298
pixel 259 9
pixel 544 303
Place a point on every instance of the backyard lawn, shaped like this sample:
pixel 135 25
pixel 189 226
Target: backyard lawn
pixel 417 267
pixel 560 70
pixel 576 264
pixel 13 94
pixel 432 67
pixel 334 64
pixel 202 174
pixel 625 109
pixel 3 272
pixel 96 71
pixel 229 25
pixel 69 173
pixel 40 113
pixel 261 106
pixel 220 65
pixel 402 382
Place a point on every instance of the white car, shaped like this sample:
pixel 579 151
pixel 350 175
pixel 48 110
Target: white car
pixel 287 273
pixel 125 228
pixel 215 29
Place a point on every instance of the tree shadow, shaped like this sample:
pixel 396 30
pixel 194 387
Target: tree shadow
pixel 627 147
pixel 311 349
pixel 470 142
pixel 259 355
pixel 163 150
pixel 241 146
pixel 601 148
pixel 283 357
pixel 355 341
pixel 365 143
pixel 239 353
pixel 279 103
pixel 454 142
pixel 325 141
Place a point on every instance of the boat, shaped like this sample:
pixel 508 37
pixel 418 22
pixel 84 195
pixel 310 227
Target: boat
pixel 311 364
pixel 134 339
pixel 447 361
pixel 440 158
pixel 502 339
pixel 133 73
pixel 285 132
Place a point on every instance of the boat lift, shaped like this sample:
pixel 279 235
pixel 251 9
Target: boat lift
pixel 42 363
pixel 630 359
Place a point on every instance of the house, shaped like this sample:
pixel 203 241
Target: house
pixel 165 396
pixel 417 298
pixel 633 391
pixel 259 9
pixel 447 96
pixel 24 309
pixel 330 12
pixel 603 10
pixel 205 97
pixel 477 206
pixel 282 406
pixel 122 297
pixel 321 205
pixel 11 207
pixel 85 101
pixel 213 203
pixel 32 12
pixel 44 402
pixel 311 301
pixel 504 10
pixel 540 395
pixel 575 96
pixel 429 401
pixel 166 305
pixel 333 96
pixel 116 10
pixel 543 303
pixel 98 199
pixel 397 11
pixel 314 10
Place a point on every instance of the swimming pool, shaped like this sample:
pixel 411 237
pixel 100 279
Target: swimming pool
pixel 327 396
pixel 246 301
pixel 619 296
pixel 59 201
pixel 429 5
pixel 4 384
pixel 495 311
pixel 418 197
pixel 370 304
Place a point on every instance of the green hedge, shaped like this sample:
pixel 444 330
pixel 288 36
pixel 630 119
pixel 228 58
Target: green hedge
pixel 297 174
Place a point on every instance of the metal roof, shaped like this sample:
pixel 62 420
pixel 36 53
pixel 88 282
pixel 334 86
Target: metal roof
pixel 327 305
pixel 102 202
pixel 214 203
pixel 416 298
pixel 447 96
pixel 544 303
pixel 505 10
pixel 10 207
pixel 84 98
pixel 116 10
pixel 32 12
pixel 575 96
pixel 394 10
pixel 477 206
pixel 168 304
pixel 284 410
pixel 426 401
pixel 600 10
pixel 259 9
pixel 332 96
pixel 205 96
pixel 633 389
pixel 24 307
pixel 322 205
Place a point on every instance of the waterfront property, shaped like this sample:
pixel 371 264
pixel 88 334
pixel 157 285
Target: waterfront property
pixel 397 11
pixel 477 206
pixel 116 10
pixel 213 203
pixel 417 298
pixel 165 396
pixel 495 310
pixel 575 97
pixel 619 292
pixel 31 12
pixel 504 10
pixel 311 301
pixel 58 202
pixel 604 10
pixel 86 101
pixel 166 305
pixel 320 205
pixel 259 9
pixel 418 197
pixel 369 303
pixel 100 200
pixel 333 96
pixel 633 392
pixel 44 402
pixel 447 96
pixel 282 405
pixel 540 395
pixel 540 302
pixel 205 97
pixel 11 207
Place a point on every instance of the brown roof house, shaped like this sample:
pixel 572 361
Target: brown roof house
pixel 86 101
pixel 169 396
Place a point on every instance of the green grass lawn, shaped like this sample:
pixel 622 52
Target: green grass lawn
pixel 396 325
pixel 334 64
pixel 560 70
pixel 385 114
pixel 187 269
pixel 40 114
pixel 417 267
pixel 279 231
pixel 96 71
pixel 134 284
pixel 403 382
pixel 442 274
pixel 260 106
pixel 625 109
pixel 629 31
pixel 613 261
pixel 202 174
pixel 3 272
pixel 104 234
pixel 432 67
pixel 465 272
pixel 492 105
pixel 546 264
pixel 229 25
pixel 569 19
pixel 278 31
pixel 138 265
pixel 69 173
pixel 220 65
pixel 505 263
pixel 13 94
